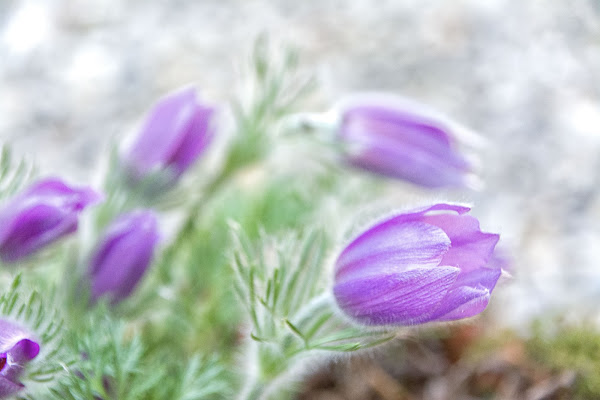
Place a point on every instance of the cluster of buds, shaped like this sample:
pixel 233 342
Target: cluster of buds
pixel 432 264
pixel 174 135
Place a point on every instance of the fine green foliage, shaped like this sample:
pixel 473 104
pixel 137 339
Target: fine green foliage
pixel 192 274
pixel 194 278
pixel 115 364
pixel 281 285
pixel 14 174
pixel 276 88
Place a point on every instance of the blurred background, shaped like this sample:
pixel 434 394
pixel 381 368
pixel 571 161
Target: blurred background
pixel 525 75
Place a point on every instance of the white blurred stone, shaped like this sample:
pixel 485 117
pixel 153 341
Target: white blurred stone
pixel 28 26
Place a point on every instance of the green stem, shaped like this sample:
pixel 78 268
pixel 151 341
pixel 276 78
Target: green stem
pixel 314 306
pixel 188 226
pixel 255 392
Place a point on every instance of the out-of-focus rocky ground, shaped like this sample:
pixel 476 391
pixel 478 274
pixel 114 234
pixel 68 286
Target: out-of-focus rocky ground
pixel 524 74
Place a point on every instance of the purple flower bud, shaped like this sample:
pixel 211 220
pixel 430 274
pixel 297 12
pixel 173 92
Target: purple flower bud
pixel 401 139
pixel 17 348
pixel 123 255
pixel 432 264
pixel 175 133
pixel 41 215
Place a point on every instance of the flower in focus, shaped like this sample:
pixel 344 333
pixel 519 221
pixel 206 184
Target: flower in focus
pixel 402 139
pixel 427 265
pixel 42 214
pixel 175 133
pixel 123 255
pixel 17 348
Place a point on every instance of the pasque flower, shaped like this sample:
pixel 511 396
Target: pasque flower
pixel 40 215
pixel 433 264
pixel 17 348
pixel 402 139
pixel 123 255
pixel 174 134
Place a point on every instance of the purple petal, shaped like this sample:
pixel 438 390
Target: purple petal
pixel 9 388
pixel 174 134
pixel 16 359
pixel 194 141
pixel 392 247
pixel 421 160
pixel 470 248
pixel 464 302
pixel 25 350
pixel 402 142
pixel 56 192
pixel 389 118
pixel 163 130
pixel 401 299
pixel 123 255
pixel 468 296
pixel 45 212
pixel 420 214
pixel 17 348
pixel 404 240
pixel 430 264
pixel 11 334
pixel 34 229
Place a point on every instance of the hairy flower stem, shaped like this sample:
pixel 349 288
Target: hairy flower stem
pixel 261 383
pixel 321 125
pixel 230 169
pixel 255 391
pixel 314 306
pixel 188 226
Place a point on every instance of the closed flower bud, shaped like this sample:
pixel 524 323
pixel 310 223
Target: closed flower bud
pixel 401 139
pixel 123 255
pixel 428 265
pixel 42 214
pixel 175 133
pixel 17 348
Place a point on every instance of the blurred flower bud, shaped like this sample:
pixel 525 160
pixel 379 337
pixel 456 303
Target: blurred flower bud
pixel 123 255
pixel 433 264
pixel 17 348
pixel 175 133
pixel 402 139
pixel 40 215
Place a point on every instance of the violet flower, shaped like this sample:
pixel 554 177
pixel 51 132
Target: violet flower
pixel 17 348
pixel 123 255
pixel 432 264
pixel 40 215
pixel 175 133
pixel 402 139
